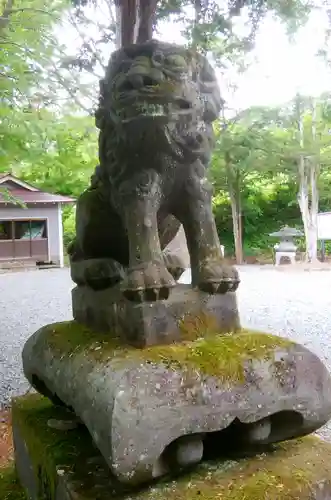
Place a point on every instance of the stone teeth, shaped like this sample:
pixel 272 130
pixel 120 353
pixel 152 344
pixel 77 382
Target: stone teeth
pixel 144 109
pixel 152 109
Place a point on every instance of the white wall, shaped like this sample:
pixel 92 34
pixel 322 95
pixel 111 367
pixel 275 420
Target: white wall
pixel 54 221
pixel 324 226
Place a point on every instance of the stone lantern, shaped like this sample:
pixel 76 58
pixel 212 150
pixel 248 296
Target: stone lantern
pixel 286 247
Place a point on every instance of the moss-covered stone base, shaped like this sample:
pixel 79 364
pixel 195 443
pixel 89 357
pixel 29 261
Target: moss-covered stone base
pixel 212 353
pixel 10 489
pixel 68 461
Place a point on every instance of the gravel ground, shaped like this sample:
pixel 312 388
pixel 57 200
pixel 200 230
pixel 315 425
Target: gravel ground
pixel 28 300
pixel 295 304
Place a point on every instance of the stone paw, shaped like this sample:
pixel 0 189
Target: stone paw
pixel 175 264
pixel 218 277
pixel 98 274
pixel 148 282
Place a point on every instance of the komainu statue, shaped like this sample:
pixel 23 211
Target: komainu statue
pixel 157 105
pixel 154 386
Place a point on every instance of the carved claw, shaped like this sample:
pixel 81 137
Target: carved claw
pixel 217 277
pixel 148 283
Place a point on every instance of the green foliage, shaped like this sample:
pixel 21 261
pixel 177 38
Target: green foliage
pixel 69 230
pixel 26 46
pixel 255 164
pixel 211 26
pixel 47 140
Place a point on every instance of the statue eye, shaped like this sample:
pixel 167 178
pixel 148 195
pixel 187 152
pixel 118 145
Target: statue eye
pixel 177 61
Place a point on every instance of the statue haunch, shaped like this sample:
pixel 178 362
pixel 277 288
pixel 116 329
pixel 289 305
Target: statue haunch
pixel 156 108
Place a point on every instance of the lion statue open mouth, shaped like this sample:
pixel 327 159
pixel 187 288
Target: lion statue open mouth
pixel 156 108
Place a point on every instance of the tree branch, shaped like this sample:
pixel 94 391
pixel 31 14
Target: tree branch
pixel 66 86
pixel 5 18
pixel 8 77
pixel 9 12
pixel 87 43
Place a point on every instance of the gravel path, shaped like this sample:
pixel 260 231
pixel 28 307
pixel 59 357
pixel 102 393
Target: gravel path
pixel 296 304
pixel 28 300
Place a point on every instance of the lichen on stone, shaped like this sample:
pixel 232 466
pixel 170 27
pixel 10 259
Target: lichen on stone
pixel 291 471
pixel 48 448
pixel 195 326
pixel 70 337
pixel 219 355
pixel 10 488
pixel 57 452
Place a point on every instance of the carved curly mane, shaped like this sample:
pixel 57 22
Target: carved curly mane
pixel 187 133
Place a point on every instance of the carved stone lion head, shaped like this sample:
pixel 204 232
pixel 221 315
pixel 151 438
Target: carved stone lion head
pixel 161 89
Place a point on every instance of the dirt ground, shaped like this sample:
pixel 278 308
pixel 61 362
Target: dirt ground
pixel 6 443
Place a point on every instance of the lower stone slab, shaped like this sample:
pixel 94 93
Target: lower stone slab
pixel 160 322
pixel 65 465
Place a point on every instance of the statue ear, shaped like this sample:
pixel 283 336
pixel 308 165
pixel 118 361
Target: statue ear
pixel 210 91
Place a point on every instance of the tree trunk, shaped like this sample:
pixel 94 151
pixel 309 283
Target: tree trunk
pixel 137 18
pixel 308 197
pixel 237 228
pixel 309 208
pixel 118 17
pixel 147 18
pixel 303 198
pixel 197 20
pixel 314 202
pixel 235 199
pixel 312 223
pixel 127 10
pixel 240 251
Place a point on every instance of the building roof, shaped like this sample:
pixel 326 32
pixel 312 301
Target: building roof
pixel 27 193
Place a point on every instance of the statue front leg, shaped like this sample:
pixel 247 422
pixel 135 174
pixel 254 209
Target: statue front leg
pixel 209 271
pixel 147 276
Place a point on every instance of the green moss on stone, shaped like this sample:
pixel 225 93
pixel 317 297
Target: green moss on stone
pixel 48 447
pixel 73 452
pixel 10 489
pixel 290 472
pixel 70 337
pixel 195 326
pixel 223 356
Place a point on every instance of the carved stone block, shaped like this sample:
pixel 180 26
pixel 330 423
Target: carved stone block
pixel 184 315
pixel 151 411
pixel 297 469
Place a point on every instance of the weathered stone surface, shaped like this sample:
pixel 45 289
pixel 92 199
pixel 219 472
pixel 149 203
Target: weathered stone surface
pixel 138 403
pixel 61 465
pixel 156 110
pixel 151 323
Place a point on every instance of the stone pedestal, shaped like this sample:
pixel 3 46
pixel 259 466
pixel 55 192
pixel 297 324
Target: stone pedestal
pixel 65 465
pixel 142 407
pixel 151 323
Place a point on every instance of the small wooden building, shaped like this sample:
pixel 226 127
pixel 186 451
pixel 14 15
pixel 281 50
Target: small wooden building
pixel 30 231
